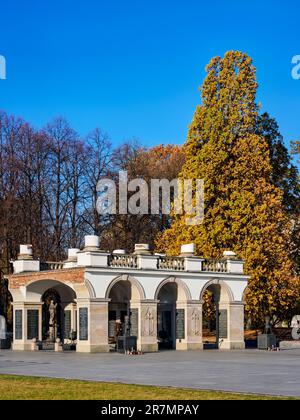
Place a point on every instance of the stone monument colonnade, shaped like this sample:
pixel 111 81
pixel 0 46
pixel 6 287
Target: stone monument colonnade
pixel 96 290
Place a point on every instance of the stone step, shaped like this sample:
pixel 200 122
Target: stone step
pixel 47 346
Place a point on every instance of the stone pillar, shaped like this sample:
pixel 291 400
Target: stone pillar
pixel 232 337
pixel 18 327
pixel 92 325
pixel 58 345
pixel 91 255
pixel 147 262
pixel 25 261
pixel 147 340
pixel 234 264
pixel 192 325
pixel 74 326
pixel 27 325
pixel 71 262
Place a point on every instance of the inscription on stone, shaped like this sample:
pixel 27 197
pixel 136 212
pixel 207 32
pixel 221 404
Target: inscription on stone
pixel 32 324
pixel 83 324
pixel 18 324
pixel 67 329
pixel 134 320
pixel 223 333
pixel 180 329
pixel 149 328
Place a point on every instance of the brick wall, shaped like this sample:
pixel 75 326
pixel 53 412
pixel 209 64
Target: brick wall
pixel 74 275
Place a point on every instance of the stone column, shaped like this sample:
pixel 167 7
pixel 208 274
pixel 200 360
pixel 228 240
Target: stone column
pixel 147 340
pixel 73 317
pixel 19 340
pixel 233 338
pixel 92 325
pixel 24 333
pixel 192 326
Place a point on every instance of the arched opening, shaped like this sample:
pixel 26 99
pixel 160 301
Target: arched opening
pixel 166 316
pixel 123 312
pixel 51 297
pixel 251 331
pixel 58 313
pixel 215 297
pixel 248 321
pixel 172 295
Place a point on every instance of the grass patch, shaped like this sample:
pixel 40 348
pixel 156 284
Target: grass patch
pixel 32 388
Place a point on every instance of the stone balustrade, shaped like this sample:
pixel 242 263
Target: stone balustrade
pixel 131 261
pixel 215 266
pixel 50 266
pixel 141 259
pixel 171 263
pixel 124 261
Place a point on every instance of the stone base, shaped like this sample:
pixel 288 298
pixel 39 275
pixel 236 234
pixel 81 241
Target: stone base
pixel 58 347
pixel 232 345
pixel 35 347
pixel 189 346
pixel 289 345
pixel 88 348
pixel 21 346
pixel 149 348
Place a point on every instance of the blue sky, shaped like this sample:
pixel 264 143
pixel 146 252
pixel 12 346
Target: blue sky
pixel 134 67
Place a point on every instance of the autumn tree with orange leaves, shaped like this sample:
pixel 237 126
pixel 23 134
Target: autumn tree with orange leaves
pixel 243 208
pixel 159 162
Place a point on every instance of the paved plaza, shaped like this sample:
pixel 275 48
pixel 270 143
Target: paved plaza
pixel 250 371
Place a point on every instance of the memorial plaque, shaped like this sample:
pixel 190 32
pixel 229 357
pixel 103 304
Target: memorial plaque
pixel 180 328
pixel 32 324
pixel 83 324
pixel 223 329
pixel 18 324
pixel 67 326
pixel 134 320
